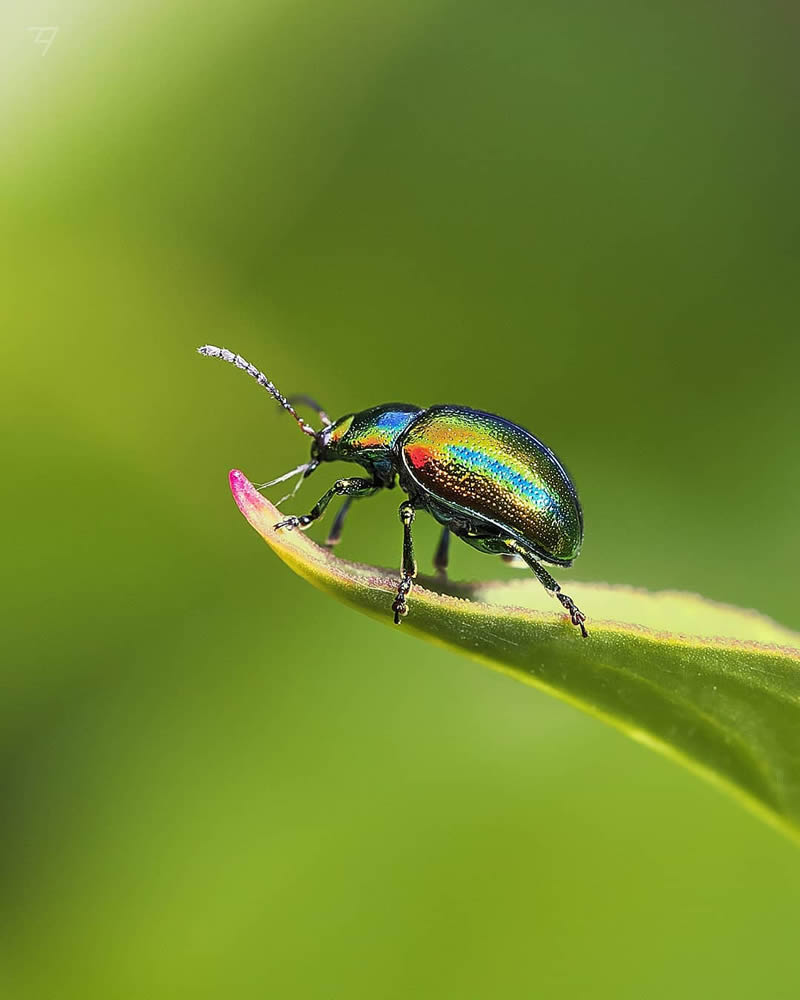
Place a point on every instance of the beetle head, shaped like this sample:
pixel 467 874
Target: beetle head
pixel 329 444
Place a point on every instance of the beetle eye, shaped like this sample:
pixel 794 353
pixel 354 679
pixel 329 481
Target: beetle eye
pixel 320 445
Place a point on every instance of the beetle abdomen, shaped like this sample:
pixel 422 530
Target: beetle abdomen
pixel 485 466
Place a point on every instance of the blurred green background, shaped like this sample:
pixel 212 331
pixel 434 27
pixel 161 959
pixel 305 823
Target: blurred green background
pixel 214 781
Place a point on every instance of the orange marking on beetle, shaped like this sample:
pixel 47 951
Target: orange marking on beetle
pixel 419 455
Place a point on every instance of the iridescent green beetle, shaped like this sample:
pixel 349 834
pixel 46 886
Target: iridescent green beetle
pixel 485 479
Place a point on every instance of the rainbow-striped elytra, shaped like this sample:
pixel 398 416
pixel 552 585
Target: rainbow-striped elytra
pixel 485 479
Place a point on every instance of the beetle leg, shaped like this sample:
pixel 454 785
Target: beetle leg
pixel 356 487
pixel 442 555
pixel 336 530
pixel 577 617
pixel 409 570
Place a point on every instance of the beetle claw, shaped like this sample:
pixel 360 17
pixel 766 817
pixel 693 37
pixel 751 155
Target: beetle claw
pixel 400 608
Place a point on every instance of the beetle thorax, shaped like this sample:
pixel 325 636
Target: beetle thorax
pixel 369 436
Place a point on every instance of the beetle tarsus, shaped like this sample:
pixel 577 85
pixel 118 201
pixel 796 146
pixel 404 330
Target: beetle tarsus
pixel 575 613
pixel 399 605
pixel 290 523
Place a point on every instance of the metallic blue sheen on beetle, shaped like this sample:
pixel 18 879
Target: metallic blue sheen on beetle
pixel 485 479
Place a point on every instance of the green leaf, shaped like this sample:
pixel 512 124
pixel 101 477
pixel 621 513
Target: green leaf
pixel 712 686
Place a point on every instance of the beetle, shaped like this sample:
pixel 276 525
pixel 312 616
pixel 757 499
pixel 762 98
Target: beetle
pixel 485 479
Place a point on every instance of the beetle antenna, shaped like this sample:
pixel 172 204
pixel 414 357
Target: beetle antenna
pixel 291 492
pixel 304 400
pixel 236 359
pixel 302 472
pixel 287 475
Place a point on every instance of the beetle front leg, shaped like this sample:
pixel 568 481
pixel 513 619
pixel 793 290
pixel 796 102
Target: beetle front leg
pixel 355 487
pixel 577 617
pixel 409 570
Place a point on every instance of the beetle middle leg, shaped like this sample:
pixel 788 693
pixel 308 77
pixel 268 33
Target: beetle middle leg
pixel 335 534
pixel 409 570
pixel 441 557
pixel 576 615
pixel 356 487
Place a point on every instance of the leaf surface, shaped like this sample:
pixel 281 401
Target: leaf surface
pixel 712 686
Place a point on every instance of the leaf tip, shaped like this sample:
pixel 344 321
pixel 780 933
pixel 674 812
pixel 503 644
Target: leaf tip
pixel 248 499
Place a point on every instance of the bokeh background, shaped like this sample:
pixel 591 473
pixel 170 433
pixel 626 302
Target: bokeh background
pixel 214 782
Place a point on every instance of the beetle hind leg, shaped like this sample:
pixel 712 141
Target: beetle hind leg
pixel 577 617
pixel 409 569
pixel 575 613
